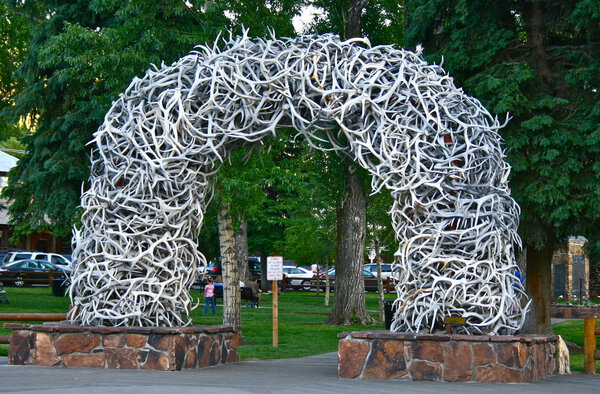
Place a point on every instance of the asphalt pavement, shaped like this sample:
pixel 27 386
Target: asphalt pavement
pixel 314 374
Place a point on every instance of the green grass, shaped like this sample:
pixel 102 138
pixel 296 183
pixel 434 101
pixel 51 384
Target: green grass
pixel 30 300
pixel 301 328
pixel 572 331
pixel 301 318
pixel 302 331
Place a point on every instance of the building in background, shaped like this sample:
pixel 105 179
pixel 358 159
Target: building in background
pixel 41 242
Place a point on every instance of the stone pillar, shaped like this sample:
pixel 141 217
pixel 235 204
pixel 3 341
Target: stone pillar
pixel 155 348
pixel 380 354
pixel 576 250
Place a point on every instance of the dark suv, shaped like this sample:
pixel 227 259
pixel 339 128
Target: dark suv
pixel 213 268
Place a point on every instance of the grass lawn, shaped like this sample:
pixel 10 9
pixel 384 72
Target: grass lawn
pixel 572 331
pixel 301 317
pixel 30 300
pixel 301 328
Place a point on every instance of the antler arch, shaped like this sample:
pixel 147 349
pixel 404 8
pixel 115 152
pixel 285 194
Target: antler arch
pixel 437 150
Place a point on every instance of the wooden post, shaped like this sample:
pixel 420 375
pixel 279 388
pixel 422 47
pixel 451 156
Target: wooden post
pixel 589 345
pixel 275 273
pixel 275 315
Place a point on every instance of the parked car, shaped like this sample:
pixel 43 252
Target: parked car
pixel 386 270
pixel 53 258
pixel 289 263
pixel 370 279
pixel 366 273
pixel 298 276
pixel 213 268
pixel 315 268
pixel 254 266
pixel 27 272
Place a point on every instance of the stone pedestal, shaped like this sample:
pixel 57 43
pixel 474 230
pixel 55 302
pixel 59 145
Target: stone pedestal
pixel 158 348
pixel 380 354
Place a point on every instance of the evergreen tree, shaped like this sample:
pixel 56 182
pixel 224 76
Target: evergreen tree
pixel 81 56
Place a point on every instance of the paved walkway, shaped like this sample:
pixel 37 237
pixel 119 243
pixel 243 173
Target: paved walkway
pixel 315 374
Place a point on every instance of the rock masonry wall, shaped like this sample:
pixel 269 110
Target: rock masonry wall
pixel 451 358
pixel 574 311
pixel 166 349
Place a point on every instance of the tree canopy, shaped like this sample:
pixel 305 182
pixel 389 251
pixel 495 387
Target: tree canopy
pixel 81 56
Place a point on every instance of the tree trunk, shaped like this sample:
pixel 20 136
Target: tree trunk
pixel 318 290
pixel 241 251
pixel 352 28
pixel 231 279
pixel 265 285
pixel 349 301
pixel 538 285
pixel 536 40
pixel 327 283
pixel 379 280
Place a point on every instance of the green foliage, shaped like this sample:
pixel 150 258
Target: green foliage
pixel 82 55
pixel 310 235
pixel 284 190
pixel 80 58
pixel 15 31
pixel 382 21
pixel 261 17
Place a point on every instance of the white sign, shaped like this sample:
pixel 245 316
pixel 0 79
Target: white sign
pixel 372 255
pixel 274 268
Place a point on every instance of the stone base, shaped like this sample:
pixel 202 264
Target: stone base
pixel 166 349
pixel 380 354
pixel 561 311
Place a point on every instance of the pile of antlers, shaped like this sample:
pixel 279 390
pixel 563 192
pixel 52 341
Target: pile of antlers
pixel 436 149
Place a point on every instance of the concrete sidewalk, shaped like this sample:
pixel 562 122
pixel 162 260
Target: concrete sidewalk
pixel 315 374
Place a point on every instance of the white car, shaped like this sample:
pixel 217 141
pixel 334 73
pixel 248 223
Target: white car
pixel 386 270
pixel 54 258
pixel 298 276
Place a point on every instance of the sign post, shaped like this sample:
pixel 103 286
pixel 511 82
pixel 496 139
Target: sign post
pixel 275 273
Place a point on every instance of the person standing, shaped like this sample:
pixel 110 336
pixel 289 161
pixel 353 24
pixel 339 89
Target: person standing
pixel 209 297
pixel 255 293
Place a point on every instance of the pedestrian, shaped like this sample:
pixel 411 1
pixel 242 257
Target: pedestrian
pixel 255 293
pixel 209 297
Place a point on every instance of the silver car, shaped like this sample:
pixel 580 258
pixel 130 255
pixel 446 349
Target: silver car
pixel 386 270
